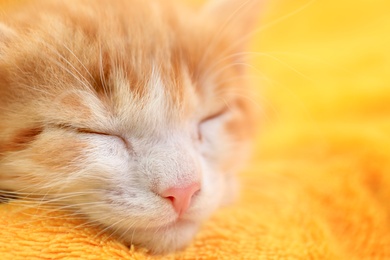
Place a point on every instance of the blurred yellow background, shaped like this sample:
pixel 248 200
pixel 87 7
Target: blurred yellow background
pixel 318 186
pixel 326 51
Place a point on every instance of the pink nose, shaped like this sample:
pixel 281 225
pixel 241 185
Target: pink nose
pixel 181 197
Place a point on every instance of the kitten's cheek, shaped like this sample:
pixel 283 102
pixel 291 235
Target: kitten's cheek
pixel 46 164
pixel 58 154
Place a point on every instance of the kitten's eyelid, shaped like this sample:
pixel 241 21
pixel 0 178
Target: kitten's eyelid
pixel 216 115
pixel 79 129
pixel 83 130
pixel 220 112
pixel 89 131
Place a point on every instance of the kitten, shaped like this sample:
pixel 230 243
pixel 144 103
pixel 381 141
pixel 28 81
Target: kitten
pixel 131 111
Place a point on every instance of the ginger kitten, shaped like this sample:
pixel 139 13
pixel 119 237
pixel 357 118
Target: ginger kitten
pixel 134 112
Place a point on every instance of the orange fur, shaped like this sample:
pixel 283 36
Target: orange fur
pixel 135 76
pixel 21 140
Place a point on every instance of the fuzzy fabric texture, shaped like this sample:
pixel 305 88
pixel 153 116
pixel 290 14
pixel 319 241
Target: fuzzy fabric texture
pixel 318 186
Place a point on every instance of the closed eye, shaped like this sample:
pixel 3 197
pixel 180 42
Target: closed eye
pixel 207 119
pixel 79 129
pixel 89 131
pixel 83 130
pixel 215 115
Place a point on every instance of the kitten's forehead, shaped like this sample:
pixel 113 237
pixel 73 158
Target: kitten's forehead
pixel 161 102
pixel 158 103
pixel 144 63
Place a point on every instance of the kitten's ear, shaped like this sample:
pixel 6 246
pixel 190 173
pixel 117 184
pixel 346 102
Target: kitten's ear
pixel 237 15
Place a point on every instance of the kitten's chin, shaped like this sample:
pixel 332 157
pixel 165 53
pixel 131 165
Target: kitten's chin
pixel 165 239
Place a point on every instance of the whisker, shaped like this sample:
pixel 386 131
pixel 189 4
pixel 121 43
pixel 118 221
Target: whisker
pixel 108 227
pixel 127 230
pixel 217 36
pixel 60 65
pixel 228 66
pixel 106 89
pixel 84 82
pixel 74 55
pixel 227 57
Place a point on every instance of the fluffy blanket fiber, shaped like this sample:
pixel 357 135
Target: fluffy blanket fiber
pixel 318 186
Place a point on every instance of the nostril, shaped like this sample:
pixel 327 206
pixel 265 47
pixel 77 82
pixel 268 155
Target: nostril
pixel 181 197
pixel 196 193
pixel 171 198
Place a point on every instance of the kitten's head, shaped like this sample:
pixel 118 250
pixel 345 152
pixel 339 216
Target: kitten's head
pixel 133 112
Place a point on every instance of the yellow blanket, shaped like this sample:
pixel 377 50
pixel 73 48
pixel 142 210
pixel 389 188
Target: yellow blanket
pixel 319 183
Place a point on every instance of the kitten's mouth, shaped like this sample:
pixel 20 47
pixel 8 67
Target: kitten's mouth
pixel 174 224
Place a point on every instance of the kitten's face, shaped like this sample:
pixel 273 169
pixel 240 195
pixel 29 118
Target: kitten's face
pixel 132 112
